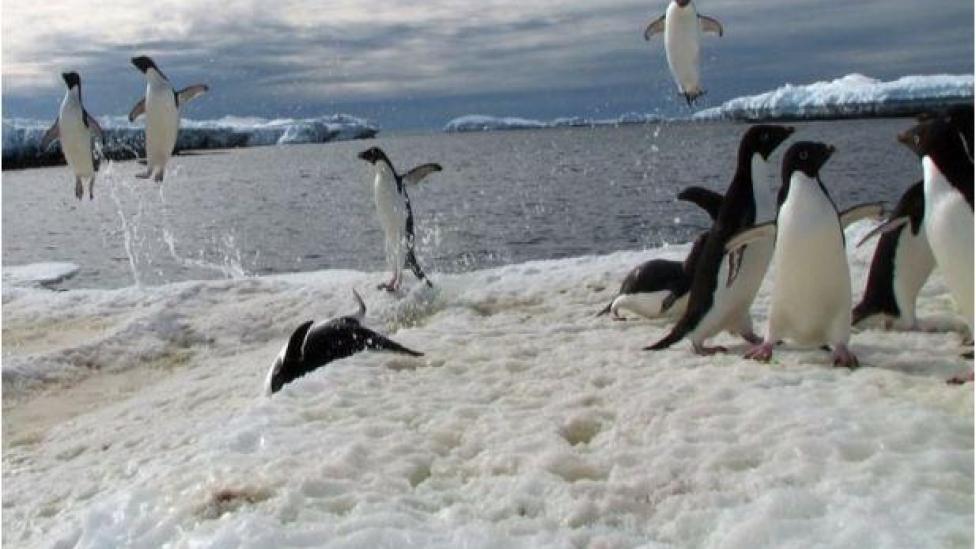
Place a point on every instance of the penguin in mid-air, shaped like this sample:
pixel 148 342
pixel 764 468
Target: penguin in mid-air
pixel 811 298
pixel 947 169
pixel 161 105
pixel 660 286
pixel 75 128
pixel 395 214
pixel 724 285
pixel 312 346
pixel 682 26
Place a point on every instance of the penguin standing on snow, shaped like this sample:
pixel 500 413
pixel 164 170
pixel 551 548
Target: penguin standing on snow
pixel 312 346
pixel 161 105
pixel 811 301
pixel 682 26
pixel 75 128
pixel 724 285
pixel 395 214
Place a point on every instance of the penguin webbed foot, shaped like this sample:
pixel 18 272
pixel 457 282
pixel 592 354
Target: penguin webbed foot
pixel 79 188
pixel 703 350
pixel 763 352
pixel 961 378
pixel 144 175
pixel 844 358
pixel 158 178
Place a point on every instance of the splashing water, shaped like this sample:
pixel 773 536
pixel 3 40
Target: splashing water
pixel 232 265
pixel 127 235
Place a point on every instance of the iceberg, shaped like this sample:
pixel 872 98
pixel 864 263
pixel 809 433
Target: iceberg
pixel 852 96
pixel 125 140
pixel 39 274
pixel 482 123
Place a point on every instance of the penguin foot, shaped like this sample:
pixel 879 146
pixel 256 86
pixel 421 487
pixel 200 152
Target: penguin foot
pixel 762 352
pixel 79 188
pixel 159 176
pixel 144 175
pixel 844 358
pixel 702 350
pixel 961 378
pixel 751 338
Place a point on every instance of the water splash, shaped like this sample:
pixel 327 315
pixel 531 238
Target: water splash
pixel 232 264
pixel 127 234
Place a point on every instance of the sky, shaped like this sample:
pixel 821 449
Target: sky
pixel 419 63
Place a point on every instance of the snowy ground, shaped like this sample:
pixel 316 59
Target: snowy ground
pixel 134 417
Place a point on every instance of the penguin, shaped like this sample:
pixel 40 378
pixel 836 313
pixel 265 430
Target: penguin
pixel 161 105
pixel 811 298
pixel 724 285
pixel 948 219
pixel 395 214
pixel 901 264
pixel 74 127
pixel 682 26
pixel 312 346
pixel 660 286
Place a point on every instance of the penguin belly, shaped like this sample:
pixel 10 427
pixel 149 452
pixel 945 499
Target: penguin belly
pixel 812 292
pixel 649 304
pixel 913 265
pixel 730 303
pixel 681 46
pixel 162 124
pixel 949 229
pixel 76 141
pixel 391 209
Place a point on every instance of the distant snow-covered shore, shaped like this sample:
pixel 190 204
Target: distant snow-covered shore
pixel 124 139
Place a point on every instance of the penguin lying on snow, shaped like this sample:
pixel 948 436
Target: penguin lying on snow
pixel 75 128
pixel 660 286
pixel 312 346
pixel 161 105
pixel 395 214
pixel 682 26
pixel 811 301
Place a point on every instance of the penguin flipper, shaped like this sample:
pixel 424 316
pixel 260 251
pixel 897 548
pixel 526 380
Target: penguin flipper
pixel 756 232
pixel 655 27
pixel 710 24
pixel 190 93
pixel 50 135
pixel 138 110
pixel 375 342
pixel 872 210
pixel 706 199
pixel 890 225
pixel 93 125
pixel 417 174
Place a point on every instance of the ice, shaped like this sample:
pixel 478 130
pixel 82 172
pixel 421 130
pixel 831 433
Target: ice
pixel 38 274
pixel 849 96
pixel 135 417
pixel 479 122
pixel 124 139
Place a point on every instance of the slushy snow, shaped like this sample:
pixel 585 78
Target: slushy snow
pixel 135 417
pixel 21 137
pixel 850 96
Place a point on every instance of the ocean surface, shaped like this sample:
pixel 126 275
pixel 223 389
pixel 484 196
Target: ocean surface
pixel 503 198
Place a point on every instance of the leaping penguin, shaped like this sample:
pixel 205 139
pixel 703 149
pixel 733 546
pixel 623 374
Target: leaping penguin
pixel 682 26
pixel 312 346
pixel 75 128
pixel 395 214
pixel 161 105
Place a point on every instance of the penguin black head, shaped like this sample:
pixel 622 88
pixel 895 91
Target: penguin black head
pixel 682 3
pixel 288 365
pixel 373 155
pixel 930 136
pixel 763 139
pixel 71 79
pixel 807 157
pixel 144 63
pixel 959 117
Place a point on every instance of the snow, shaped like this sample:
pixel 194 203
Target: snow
pixel 480 122
pixel 21 137
pixel 135 417
pixel 848 96
pixel 39 274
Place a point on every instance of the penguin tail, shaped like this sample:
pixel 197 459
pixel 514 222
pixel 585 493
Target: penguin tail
pixel 677 334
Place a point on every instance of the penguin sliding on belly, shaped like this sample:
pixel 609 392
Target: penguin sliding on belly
pixel 75 128
pixel 312 346
pixel 395 214
pixel 161 105
pixel 660 286
pixel 682 26
pixel 811 301
pixel 724 285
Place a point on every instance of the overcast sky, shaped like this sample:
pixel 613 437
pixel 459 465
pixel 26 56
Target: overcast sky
pixel 418 63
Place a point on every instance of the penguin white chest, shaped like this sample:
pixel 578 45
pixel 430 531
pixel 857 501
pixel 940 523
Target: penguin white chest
pixel 391 209
pixel 812 291
pixel 681 43
pixel 75 136
pixel 949 228
pixel 162 123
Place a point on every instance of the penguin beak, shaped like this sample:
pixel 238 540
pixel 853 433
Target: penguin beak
pixel 364 156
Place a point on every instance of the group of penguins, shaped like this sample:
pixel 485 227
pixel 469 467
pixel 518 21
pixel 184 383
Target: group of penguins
pixel 798 230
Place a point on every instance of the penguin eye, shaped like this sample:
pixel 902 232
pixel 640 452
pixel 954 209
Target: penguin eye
pixel 803 155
